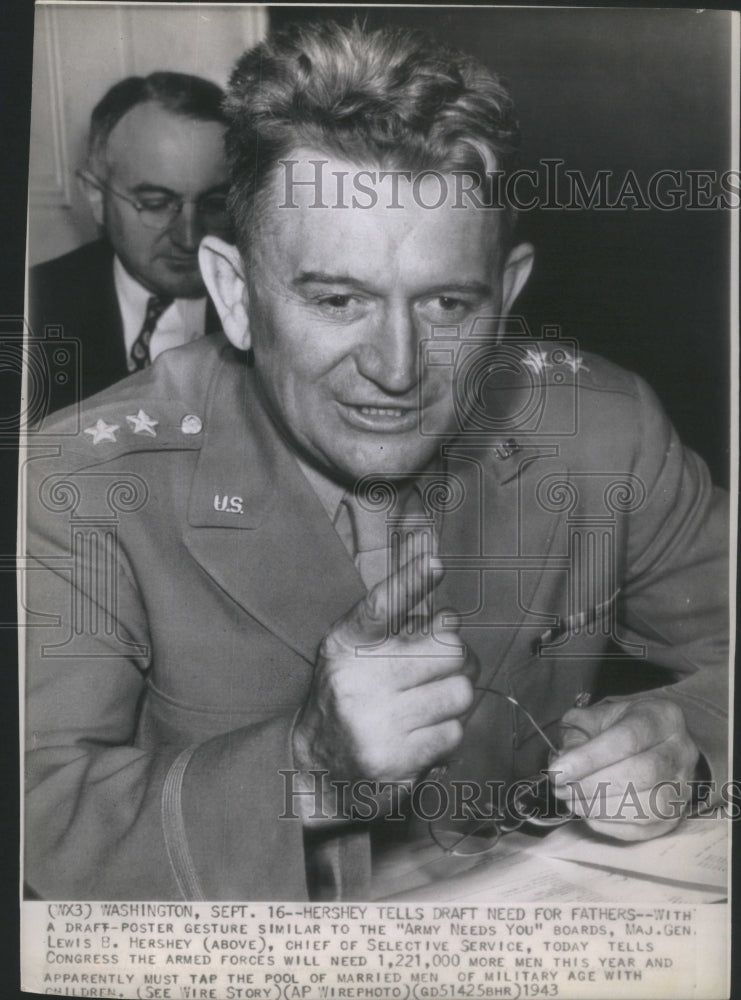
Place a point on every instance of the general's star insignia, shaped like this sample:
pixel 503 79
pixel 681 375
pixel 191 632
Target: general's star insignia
pixel 575 364
pixel 537 360
pixel 101 431
pixel 143 424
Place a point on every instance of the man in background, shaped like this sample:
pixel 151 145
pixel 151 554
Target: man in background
pixel 156 182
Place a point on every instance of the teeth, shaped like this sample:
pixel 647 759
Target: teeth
pixel 383 411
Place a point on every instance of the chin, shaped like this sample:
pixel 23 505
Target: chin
pixel 396 467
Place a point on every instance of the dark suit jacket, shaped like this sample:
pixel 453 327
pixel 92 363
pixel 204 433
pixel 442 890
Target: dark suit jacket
pixel 73 297
pixel 160 701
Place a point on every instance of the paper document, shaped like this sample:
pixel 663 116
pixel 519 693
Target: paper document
pixel 695 853
pixel 571 863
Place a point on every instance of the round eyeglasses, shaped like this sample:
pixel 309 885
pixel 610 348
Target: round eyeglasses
pixel 159 211
pixel 528 801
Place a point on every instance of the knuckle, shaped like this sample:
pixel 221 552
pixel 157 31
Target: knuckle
pixel 330 646
pixel 342 686
pixel 685 753
pixel 459 693
pixel 472 665
pixel 441 741
pixel 571 717
pixel 340 638
pixel 634 726
pixel 452 734
pixel 447 620
pixel 667 714
pixel 372 761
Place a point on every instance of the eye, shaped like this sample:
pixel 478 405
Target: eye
pixel 339 306
pixel 449 304
pixel 336 301
pixel 157 204
pixel 444 308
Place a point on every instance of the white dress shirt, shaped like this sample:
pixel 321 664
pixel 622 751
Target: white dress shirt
pixel 184 320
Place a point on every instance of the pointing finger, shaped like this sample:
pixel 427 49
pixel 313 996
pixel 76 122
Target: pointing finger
pixel 404 591
pixel 388 605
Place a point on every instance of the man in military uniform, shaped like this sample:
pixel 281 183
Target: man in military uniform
pixel 302 556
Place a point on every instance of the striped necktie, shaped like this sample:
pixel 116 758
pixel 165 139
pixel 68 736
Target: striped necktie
pixel 140 348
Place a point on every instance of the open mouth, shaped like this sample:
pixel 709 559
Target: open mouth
pixel 379 411
pixel 387 419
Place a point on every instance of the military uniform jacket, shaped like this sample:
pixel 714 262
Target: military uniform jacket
pixel 181 573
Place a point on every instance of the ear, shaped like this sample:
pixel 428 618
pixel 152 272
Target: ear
pixel 517 268
pixel 223 274
pixel 94 194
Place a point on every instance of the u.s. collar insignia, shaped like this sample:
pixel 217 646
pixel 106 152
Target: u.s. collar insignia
pixel 143 424
pixel 101 431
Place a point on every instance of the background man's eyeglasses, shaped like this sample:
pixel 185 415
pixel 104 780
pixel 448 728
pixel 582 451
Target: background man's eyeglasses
pixel 160 211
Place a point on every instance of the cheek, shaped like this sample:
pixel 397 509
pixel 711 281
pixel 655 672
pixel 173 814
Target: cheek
pixel 133 240
pixel 287 343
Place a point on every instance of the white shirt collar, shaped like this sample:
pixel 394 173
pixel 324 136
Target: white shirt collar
pixel 181 322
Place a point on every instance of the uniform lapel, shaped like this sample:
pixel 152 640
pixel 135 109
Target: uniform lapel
pixel 500 525
pixel 257 527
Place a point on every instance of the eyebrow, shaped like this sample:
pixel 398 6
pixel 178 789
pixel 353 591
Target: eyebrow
pixel 145 188
pixel 322 278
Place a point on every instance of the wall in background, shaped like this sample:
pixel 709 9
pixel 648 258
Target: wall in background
pixel 79 52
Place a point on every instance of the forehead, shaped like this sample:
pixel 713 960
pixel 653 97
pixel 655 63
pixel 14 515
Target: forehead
pixel 372 217
pixel 152 145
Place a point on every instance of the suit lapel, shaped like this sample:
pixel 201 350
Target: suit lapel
pixel 271 547
pixel 104 352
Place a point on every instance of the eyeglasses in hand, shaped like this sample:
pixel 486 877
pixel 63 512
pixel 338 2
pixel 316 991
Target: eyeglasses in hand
pixel 527 802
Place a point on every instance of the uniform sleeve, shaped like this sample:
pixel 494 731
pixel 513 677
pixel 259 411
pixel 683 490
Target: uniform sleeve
pixel 674 600
pixel 106 819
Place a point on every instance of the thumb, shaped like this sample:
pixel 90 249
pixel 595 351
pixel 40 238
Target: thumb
pixel 388 604
pixel 581 724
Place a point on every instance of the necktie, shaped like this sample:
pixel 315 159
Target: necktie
pixel 381 545
pixel 140 348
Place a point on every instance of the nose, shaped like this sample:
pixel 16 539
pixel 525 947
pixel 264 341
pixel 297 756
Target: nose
pixel 186 230
pixel 390 356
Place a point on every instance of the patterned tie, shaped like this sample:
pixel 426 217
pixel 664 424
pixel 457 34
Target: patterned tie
pixel 140 348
